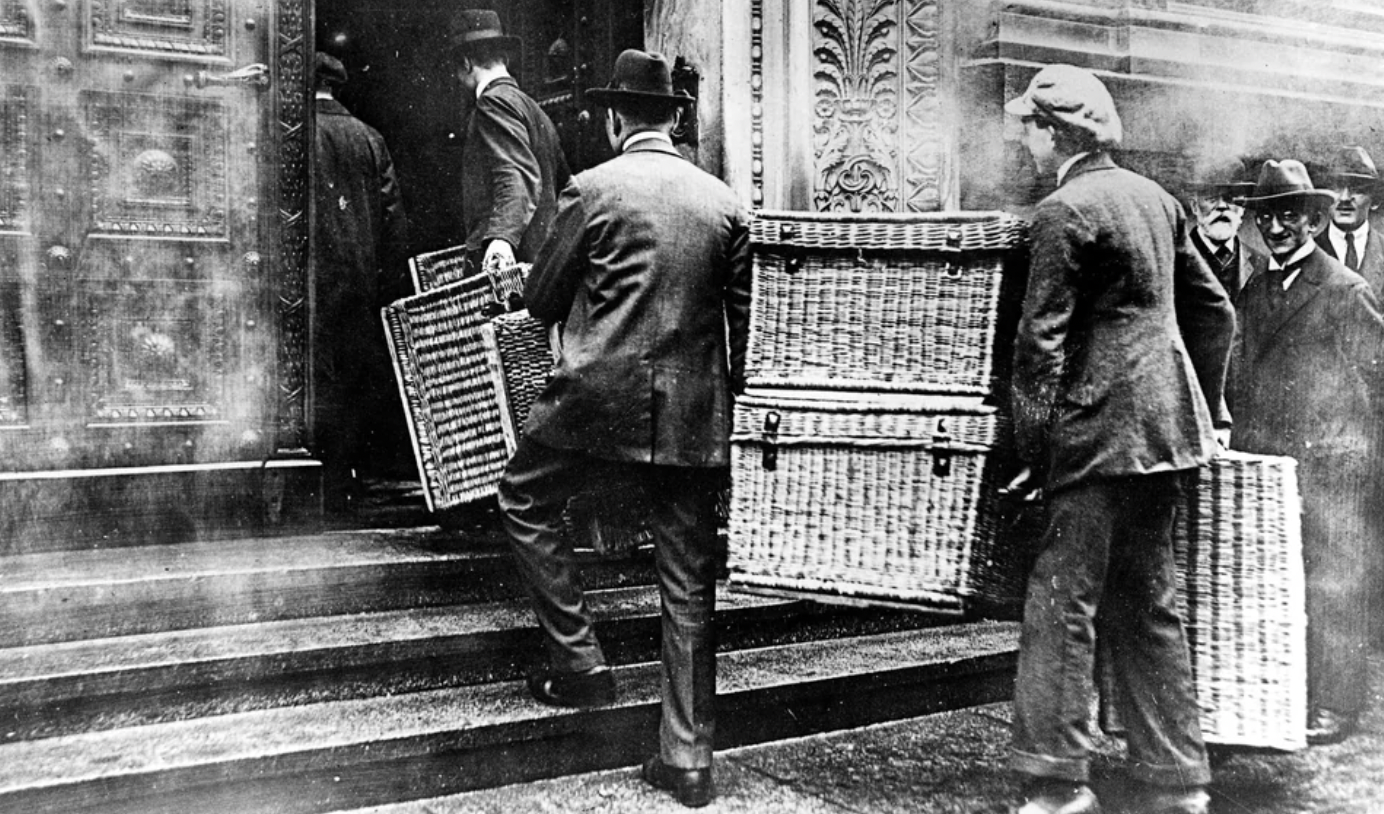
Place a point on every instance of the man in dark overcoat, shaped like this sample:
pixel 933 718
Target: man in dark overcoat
pixel 1215 199
pixel 648 267
pixel 1122 345
pixel 512 164
pixel 1353 235
pixel 359 262
pixel 1306 383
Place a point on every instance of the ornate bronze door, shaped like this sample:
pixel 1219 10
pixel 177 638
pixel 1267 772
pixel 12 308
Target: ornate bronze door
pixel 144 296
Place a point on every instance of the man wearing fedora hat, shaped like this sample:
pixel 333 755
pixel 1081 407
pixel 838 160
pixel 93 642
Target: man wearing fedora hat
pixel 1353 236
pixel 1215 198
pixel 512 164
pixel 1306 382
pixel 1112 406
pixel 648 269
pixel 360 249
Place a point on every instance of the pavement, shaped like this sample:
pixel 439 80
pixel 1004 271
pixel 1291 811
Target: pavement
pixel 944 764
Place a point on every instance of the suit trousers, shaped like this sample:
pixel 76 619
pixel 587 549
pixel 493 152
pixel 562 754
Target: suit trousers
pixel 682 503
pixel 1106 572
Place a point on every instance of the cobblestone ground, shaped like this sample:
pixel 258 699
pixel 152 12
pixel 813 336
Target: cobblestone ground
pixel 947 764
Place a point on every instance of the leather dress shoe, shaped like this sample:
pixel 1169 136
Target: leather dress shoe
pixel 691 787
pixel 1192 800
pixel 1325 726
pixel 588 688
pixel 1058 797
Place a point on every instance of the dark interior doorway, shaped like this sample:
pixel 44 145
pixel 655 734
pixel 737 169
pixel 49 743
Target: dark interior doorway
pixel 402 84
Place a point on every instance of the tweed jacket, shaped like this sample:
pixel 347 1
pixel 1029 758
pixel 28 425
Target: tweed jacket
pixel 360 242
pixel 1306 375
pixel 648 265
pixel 1125 333
pixel 1371 258
pixel 512 168
pixel 1236 273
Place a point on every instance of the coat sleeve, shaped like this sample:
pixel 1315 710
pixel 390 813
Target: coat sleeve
pixel 561 265
pixel 1205 318
pixel 393 238
pixel 502 141
pixel 737 300
pixel 1040 348
pixel 1363 341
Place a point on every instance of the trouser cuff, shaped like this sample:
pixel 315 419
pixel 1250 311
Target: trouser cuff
pixel 1076 770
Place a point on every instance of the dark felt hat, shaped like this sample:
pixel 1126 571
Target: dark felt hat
pixel 474 27
pixel 1072 97
pixel 1281 181
pixel 1353 167
pixel 328 69
pixel 1220 175
pixel 641 77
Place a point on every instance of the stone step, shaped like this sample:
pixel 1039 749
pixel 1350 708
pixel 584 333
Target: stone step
pixel 70 595
pixel 67 687
pixel 317 757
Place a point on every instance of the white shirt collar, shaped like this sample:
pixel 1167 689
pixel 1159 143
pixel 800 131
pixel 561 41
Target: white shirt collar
pixel 480 87
pixel 646 135
pixel 1295 258
pixel 1338 240
pixel 1067 165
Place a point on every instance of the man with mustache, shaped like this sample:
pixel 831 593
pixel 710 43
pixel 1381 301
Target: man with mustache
pixel 1215 198
pixel 1307 381
pixel 1351 236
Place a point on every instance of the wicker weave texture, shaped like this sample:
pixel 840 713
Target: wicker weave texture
pixel 522 352
pixel 923 232
pixel 448 390
pixel 432 270
pixel 861 513
pixel 910 323
pixel 1239 548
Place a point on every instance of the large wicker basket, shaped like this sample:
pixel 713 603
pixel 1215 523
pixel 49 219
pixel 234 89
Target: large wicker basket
pixel 1239 548
pixel 882 499
pixel 905 303
pixel 433 270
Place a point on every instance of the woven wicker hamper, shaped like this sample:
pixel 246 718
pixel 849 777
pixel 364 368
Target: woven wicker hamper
pixel 1238 540
pixel 882 302
pixel 866 498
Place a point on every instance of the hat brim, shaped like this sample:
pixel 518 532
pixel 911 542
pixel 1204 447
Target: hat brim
pixel 1022 106
pixel 1320 197
pixel 1358 178
pixel 611 97
pixel 1236 189
pixel 507 42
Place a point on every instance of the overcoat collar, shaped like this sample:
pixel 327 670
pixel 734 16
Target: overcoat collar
pixel 652 146
pixel 1093 162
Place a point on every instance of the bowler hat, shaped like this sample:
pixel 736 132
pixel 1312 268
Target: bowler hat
pixel 640 77
pixel 1220 175
pixel 1071 97
pixel 474 27
pixel 1352 165
pixel 328 69
pixel 1284 180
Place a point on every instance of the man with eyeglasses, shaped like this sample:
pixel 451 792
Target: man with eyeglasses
pixel 1306 382
pixel 1215 198
pixel 1353 236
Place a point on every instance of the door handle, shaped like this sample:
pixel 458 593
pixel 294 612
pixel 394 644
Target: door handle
pixel 255 75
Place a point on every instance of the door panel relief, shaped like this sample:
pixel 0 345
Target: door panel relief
pixel 194 28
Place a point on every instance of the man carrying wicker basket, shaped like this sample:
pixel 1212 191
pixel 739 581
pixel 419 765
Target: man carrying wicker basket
pixel 648 269
pixel 1122 346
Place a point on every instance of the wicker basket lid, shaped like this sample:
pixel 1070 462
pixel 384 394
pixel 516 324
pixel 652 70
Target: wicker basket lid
pixel 926 232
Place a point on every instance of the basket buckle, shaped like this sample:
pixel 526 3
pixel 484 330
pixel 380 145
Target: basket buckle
pixel 769 451
pixel 941 452
pixel 794 263
pixel 788 232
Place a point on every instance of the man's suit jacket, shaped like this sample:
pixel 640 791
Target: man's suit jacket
pixel 512 170
pixel 1306 375
pixel 1236 273
pixel 1371 257
pixel 1125 333
pixel 648 265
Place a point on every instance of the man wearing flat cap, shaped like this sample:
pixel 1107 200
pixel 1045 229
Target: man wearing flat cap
pixel 1120 355
pixel 1353 236
pixel 360 251
pixel 512 164
pixel 1306 382
pixel 1215 199
pixel 648 269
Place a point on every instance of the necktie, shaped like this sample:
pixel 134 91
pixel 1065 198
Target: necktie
pixel 1352 259
pixel 1223 256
